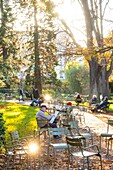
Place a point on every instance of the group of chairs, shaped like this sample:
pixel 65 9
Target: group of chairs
pixel 108 137
pixel 19 153
pixel 75 138
pixel 73 141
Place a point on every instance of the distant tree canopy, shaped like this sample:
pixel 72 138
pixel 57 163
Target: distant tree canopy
pixel 77 76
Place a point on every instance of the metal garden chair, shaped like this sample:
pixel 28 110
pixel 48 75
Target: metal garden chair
pixel 57 144
pixel 16 139
pixel 76 149
pixel 41 130
pixel 75 130
pixel 107 134
pixel 16 156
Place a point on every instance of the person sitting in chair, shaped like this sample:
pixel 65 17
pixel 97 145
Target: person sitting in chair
pixel 43 115
pixel 78 99
pixel 94 99
pixel 37 102
pixel 103 104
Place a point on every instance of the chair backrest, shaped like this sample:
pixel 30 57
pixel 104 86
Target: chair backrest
pixel 76 141
pixel 42 123
pixel 110 122
pixel 58 131
pixel 74 125
pixel 14 135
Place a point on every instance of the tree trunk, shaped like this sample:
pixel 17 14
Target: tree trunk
pixel 94 74
pixel 38 84
pixel 98 71
pixel 104 83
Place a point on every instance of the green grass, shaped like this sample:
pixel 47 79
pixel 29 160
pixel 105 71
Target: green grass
pixel 18 117
pixel 22 118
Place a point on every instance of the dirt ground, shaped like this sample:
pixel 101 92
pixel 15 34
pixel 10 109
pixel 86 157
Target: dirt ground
pixel 60 162
pixel 61 159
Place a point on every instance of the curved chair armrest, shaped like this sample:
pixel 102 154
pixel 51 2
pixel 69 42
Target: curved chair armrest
pixel 92 146
pixel 87 128
pixel 76 131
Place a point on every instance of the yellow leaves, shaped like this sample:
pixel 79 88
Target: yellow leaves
pixel 88 57
pixel 111 78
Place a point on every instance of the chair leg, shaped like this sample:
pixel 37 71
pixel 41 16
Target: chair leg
pixel 88 163
pixel 92 139
pixel 54 155
pixel 48 153
pixel 100 142
pixel 101 162
pixel 84 163
pixel 44 133
pixel 108 147
pixel 111 142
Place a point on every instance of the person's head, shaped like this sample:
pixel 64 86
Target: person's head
pixel 78 95
pixel 43 107
pixel 94 96
pixel 105 98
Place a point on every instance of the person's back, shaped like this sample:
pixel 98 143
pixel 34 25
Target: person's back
pixel 21 94
pixel 69 106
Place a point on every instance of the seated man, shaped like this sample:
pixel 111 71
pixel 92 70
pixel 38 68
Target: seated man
pixel 102 104
pixel 37 102
pixel 43 115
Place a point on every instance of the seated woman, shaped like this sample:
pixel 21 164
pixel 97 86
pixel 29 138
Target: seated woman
pixel 94 99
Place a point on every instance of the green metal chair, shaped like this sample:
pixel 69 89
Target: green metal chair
pixel 15 155
pixel 16 139
pixel 56 144
pixel 40 130
pixel 75 130
pixel 76 149
pixel 107 135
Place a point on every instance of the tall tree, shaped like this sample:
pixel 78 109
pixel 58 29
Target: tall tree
pixel 100 64
pixel 40 42
pixel 99 71
pixel 38 83
pixel 7 44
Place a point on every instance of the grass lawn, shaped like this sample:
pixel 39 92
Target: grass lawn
pixel 18 117
pixel 22 118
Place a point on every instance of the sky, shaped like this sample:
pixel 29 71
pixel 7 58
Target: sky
pixel 72 14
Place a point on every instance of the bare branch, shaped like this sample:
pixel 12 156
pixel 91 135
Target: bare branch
pixel 105 7
pixel 69 32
